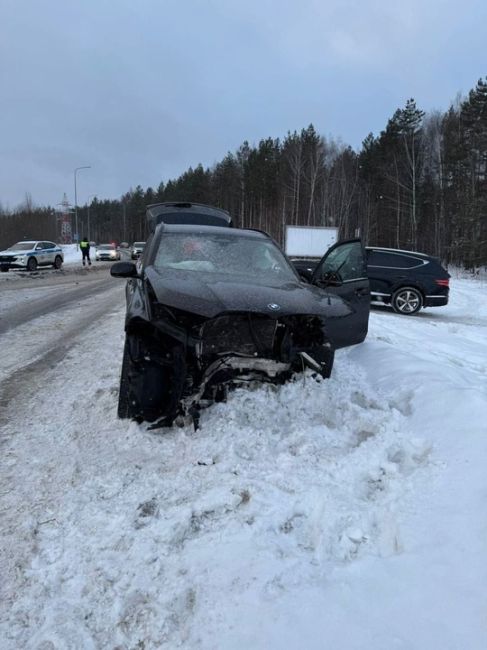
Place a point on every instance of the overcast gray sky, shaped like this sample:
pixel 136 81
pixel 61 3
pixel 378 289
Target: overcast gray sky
pixel 140 90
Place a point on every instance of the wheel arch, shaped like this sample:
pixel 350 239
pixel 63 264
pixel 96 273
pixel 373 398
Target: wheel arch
pixel 404 284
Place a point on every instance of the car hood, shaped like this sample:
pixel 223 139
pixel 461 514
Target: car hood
pixel 16 252
pixel 206 297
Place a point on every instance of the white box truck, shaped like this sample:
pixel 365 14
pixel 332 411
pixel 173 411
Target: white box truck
pixel 306 245
pixel 309 241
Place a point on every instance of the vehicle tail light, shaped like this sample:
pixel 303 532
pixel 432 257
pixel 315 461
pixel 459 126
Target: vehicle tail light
pixel 443 283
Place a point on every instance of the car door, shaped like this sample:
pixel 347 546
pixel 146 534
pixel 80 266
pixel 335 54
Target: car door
pixel 40 253
pixel 48 252
pixel 343 272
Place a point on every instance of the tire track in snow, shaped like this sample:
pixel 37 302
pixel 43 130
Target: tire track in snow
pixel 24 381
pixel 26 313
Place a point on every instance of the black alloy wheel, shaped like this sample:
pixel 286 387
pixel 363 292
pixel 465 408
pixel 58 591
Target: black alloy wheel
pixel 32 264
pixel 58 262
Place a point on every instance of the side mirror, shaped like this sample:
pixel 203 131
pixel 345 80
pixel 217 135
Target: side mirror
pixel 306 274
pixel 124 270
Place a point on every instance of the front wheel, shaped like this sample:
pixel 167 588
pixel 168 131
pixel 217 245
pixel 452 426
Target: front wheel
pixel 32 264
pixel 124 411
pixel 58 262
pixel 407 301
pixel 143 391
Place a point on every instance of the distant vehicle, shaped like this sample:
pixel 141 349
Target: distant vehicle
pixel 124 244
pixel 31 254
pixel 137 249
pixel 308 241
pixel 107 253
pixel 211 308
pixel 405 280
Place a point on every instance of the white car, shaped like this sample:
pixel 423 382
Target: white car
pixel 107 253
pixel 31 254
pixel 137 249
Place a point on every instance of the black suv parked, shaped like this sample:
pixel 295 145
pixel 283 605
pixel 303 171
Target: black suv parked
pixel 406 280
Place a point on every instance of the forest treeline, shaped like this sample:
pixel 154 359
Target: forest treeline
pixel 420 184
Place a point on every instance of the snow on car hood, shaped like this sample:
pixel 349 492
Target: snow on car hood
pixel 202 295
pixel 16 252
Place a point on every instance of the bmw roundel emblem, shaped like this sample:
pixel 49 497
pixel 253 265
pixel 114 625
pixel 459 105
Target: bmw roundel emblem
pixel 273 306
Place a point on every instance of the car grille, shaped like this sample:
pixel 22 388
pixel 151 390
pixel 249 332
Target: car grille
pixel 244 334
pixel 7 258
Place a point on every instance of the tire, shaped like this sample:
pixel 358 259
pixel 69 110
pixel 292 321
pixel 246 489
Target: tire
pixel 32 264
pixel 58 262
pixel 4 270
pixel 143 386
pixel 407 301
pixel 124 411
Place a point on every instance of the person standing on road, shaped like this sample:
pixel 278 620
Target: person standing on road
pixel 85 250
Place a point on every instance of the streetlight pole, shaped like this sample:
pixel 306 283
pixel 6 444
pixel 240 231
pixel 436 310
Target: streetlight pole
pixel 76 202
pixel 90 197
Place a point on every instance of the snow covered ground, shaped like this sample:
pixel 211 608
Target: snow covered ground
pixel 72 254
pixel 344 514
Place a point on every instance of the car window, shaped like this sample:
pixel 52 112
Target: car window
pixel 347 260
pixel 393 260
pixel 223 256
pixel 39 246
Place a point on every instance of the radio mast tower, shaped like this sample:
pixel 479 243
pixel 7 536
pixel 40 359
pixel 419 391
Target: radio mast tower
pixel 64 220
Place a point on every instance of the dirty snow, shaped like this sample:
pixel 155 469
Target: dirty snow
pixel 347 513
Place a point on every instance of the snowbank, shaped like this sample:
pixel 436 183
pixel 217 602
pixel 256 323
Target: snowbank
pixel 343 514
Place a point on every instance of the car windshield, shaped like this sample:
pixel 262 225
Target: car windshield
pixel 253 258
pixel 139 244
pixel 22 246
pixel 106 247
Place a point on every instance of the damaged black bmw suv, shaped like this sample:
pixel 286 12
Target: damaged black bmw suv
pixel 210 308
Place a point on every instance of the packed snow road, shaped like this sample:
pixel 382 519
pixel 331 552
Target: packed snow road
pixel 41 318
pixel 347 513
pixel 26 297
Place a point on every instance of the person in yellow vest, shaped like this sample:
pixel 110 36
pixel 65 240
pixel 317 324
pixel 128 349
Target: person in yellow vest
pixel 85 250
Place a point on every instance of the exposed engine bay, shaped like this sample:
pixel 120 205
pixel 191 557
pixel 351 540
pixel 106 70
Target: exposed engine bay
pixel 181 362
